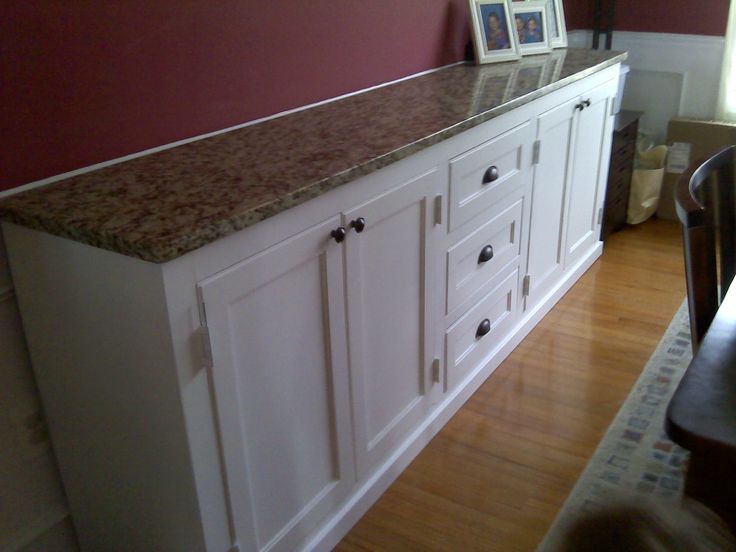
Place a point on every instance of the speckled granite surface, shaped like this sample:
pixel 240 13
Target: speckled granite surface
pixel 163 205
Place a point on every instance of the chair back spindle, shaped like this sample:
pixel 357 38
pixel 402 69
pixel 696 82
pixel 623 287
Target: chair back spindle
pixel 706 207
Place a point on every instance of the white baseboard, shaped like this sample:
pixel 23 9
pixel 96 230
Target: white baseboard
pixel 366 495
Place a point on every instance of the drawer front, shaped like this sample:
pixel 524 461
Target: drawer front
pixel 474 183
pixel 618 186
pixel 614 216
pixel 473 262
pixel 493 317
pixel 625 137
pixel 624 154
pixel 621 166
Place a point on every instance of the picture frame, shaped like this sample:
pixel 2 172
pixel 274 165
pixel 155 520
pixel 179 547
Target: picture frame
pixel 556 24
pixel 493 35
pixel 530 27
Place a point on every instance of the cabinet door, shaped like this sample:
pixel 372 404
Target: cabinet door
pixel 549 198
pixel 389 281
pixel 592 151
pixel 280 377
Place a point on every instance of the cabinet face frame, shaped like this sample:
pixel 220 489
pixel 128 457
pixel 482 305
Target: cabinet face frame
pixel 598 102
pixel 373 444
pixel 549 221
pixel 220 296
pixel 568 254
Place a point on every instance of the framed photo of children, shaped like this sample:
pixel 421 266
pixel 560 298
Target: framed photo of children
pixel 556 24
pixel 530 26
pixel 493 33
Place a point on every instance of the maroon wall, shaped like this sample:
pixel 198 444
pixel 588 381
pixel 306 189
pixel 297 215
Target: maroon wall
pixel 704 17
pixel 578 14
pixel 88 81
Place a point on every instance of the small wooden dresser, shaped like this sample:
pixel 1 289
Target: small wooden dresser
pixel 619 174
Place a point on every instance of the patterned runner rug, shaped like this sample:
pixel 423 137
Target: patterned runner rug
pixel 635 457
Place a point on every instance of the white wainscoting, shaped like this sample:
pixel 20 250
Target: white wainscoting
pixel 34 515
pixel 672 75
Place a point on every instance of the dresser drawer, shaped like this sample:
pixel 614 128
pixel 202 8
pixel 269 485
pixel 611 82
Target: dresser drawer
pixel 473 262
pixel 619 184
pixel 624 153
pixel 472 338
pixel 487 173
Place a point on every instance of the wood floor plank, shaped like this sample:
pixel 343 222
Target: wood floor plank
pixel 495 476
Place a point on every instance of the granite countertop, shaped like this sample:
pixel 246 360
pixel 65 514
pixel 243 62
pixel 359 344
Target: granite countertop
pixel 161 206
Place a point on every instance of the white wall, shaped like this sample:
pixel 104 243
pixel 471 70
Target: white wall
pixel 672 75
pixel 33 512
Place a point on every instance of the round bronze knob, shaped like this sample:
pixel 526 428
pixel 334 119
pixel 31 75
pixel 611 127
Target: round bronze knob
pixel 358 224
pixel 339 233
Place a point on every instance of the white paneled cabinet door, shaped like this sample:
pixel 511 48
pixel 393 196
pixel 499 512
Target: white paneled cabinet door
pixel 549 198
pixel 279 348
pixel 589 171
pixel 389 281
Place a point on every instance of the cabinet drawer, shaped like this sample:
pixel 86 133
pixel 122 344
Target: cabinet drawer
pixel 493 317
pixel 474 261
pixel 482 176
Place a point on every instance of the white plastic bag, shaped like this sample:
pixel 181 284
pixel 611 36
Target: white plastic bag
pixel 646 183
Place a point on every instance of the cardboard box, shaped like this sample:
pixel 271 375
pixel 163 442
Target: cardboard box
pixel 705 138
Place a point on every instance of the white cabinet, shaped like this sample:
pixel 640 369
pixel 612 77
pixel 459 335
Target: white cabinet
pixel 279 338
pixel 547 230
pixel 489 220
pixel 478 332
pixel 331 362
pixel 588 171
pixel 390 282
pixel 484 175
pixel 568 188
pixel 279 351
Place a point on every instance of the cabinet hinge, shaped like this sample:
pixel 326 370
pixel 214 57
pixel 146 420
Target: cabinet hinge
pixel 613 106
pixel 436 370
pixel 600 215
pixel 535 151
pixel 438 209
pixel 202 335
pixel 525 285
pixel 205 343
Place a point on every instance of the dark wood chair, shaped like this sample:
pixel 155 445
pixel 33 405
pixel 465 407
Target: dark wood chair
pixel 701 416
pixel 705 206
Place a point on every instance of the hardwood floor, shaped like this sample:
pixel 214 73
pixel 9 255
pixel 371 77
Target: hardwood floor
pixel 497 473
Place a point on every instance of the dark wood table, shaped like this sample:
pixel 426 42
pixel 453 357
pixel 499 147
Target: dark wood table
pixel 701 416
